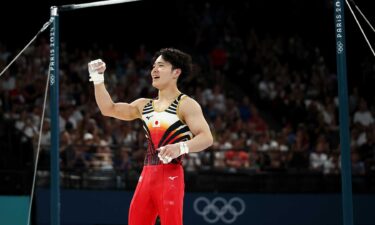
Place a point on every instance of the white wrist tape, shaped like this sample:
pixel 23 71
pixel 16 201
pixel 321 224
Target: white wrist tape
pixel 96 78
pixel 184 149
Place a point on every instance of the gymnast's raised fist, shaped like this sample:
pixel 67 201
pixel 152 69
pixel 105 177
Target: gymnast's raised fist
pixel 97 66
pixel 96 70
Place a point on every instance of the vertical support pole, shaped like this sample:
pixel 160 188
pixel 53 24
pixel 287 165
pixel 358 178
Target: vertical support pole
pixel 346 175
pixel 55 129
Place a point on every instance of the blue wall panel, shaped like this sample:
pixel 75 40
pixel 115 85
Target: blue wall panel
pixel 111 208
pixel 14 210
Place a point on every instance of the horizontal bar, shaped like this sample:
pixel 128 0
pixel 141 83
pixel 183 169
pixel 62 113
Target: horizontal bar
pixel 92 4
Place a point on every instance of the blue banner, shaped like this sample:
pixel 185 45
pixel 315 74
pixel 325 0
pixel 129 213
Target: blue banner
pixel 14 210
pixel 111 208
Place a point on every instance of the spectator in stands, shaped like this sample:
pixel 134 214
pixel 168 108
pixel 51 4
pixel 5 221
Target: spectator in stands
pixel 358 166
pixel 363 117
pixel 319 157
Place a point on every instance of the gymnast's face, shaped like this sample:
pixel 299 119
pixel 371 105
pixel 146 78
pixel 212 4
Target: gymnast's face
pixel 163 75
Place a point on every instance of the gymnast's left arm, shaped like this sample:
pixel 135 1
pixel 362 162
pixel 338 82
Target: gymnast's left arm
pixel 191 113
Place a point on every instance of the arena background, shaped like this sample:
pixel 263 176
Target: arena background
pixel 244 51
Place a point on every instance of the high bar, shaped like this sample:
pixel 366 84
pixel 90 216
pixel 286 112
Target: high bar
pixel 92 4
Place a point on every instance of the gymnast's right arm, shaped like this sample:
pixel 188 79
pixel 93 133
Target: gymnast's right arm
pixel 123 111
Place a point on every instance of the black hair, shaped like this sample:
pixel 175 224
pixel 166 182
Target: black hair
pixel 178 59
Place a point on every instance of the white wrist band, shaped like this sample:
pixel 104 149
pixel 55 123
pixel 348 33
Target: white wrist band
pixel 184 149
pixel 96 78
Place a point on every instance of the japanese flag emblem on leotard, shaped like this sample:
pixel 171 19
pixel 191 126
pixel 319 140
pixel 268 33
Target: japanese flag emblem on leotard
pixel 156 123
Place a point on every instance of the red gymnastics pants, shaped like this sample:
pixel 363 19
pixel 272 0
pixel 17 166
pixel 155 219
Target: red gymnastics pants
pixel 159 192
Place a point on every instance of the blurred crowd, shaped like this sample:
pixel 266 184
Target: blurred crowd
pixel 270 100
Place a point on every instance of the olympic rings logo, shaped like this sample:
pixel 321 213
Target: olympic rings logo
pixel 219 208
pixel 340 47
pixel 52 80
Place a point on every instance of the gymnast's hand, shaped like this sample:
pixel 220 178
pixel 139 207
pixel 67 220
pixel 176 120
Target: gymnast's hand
pixel 169 152
pixel 96 70
pixel 172 151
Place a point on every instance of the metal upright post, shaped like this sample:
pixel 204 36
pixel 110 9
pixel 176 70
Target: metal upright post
pixel 55 129
pixel 346 175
